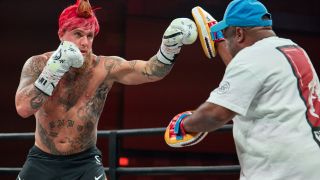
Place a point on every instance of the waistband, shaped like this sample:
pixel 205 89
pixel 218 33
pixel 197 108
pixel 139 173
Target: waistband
pixel 38 153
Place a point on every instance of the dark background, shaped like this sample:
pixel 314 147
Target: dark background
pixel 133 29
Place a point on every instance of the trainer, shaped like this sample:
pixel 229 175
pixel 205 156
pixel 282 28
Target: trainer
pixel 270 90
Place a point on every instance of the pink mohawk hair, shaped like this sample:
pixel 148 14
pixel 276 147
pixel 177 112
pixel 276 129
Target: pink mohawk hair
pixel 78 15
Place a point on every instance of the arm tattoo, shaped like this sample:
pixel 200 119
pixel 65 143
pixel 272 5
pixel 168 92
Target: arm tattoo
pixel 37 101
pixel 109 65
pixel 113 63
pixel 132 64
pixel 151 69
pixel 156 68
pixel 30 73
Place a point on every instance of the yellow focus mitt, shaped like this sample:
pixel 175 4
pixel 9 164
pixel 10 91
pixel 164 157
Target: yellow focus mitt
pixel 175 135
pixel 203 22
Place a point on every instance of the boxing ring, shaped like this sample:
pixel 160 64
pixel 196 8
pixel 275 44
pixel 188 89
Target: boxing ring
pixel 114 171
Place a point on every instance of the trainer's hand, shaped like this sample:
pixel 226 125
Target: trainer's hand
pixel 204 22
pixel 175 135
pixel 67 55
pixel 181 31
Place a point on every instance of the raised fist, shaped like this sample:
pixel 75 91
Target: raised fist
pixel 67 55
pixel 180 31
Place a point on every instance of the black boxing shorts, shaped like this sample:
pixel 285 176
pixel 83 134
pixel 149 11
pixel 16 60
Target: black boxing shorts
pixel 85 165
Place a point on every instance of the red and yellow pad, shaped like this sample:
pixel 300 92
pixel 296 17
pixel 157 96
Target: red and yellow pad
pixel 175 136
pixel 203 21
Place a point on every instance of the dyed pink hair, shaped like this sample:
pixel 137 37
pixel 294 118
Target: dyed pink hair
pixel 78 15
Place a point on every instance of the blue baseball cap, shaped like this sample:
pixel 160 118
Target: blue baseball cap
pixel 244 13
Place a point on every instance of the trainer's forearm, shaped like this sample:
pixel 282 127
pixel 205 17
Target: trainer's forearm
pixel 202 123
pixel 29 100
pixel 208 117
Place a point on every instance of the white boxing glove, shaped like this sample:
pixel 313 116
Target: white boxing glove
pixel 181 31
pixel 67 55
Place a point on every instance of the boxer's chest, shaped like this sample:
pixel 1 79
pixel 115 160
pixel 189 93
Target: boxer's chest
pixel 74 87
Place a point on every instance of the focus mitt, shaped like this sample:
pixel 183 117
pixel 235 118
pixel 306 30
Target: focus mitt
pixel 175 135
pixel 203 22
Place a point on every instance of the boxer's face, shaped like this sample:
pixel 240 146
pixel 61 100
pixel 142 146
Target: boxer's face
pixel 82 37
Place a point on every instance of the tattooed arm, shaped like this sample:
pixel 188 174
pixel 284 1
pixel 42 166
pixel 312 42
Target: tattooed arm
pixel 136 71
pixel 28 98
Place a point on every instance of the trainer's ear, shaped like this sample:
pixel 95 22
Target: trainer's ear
pixel 240 34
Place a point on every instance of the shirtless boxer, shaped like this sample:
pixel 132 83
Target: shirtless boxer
pixel 66 90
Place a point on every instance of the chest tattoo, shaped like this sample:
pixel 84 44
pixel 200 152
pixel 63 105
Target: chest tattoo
pixel 93 108
pixel 72 89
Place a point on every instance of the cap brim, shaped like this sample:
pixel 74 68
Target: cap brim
pixel 219 26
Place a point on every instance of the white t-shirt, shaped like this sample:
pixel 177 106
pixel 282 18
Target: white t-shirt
pixel 274 89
